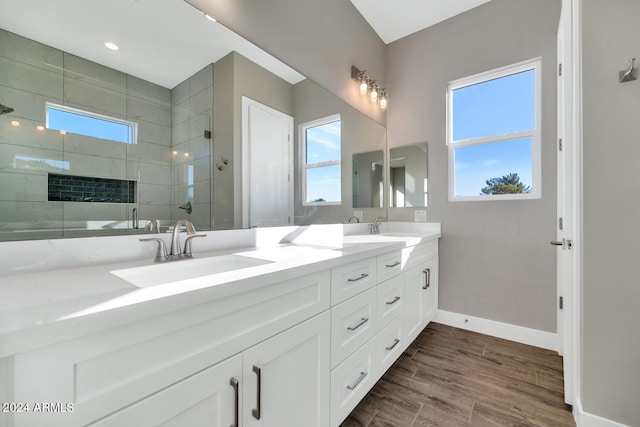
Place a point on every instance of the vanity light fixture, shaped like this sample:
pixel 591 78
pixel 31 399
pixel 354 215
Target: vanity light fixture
pixel 15 123
pixel 369 87
pixel 40 128
pixel 111 46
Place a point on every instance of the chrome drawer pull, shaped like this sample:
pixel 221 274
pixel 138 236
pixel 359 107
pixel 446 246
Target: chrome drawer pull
pixel 234 383
pixel 362 276
pixel 256 412
pixel 392 346
pixel 393 265
pixel 427 278
pixel 358 381
pixel 393 301
pixel 363 320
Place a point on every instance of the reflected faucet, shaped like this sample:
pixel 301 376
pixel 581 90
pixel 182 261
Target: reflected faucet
pixel 353 217
pixel 374 227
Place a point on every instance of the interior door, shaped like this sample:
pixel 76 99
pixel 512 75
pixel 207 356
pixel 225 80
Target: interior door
pixel 267 166
pixel 566 206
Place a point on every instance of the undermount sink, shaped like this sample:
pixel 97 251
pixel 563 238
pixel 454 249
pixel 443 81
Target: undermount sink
pixel 157 274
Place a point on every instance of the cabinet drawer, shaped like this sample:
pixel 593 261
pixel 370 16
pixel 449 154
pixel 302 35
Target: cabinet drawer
pixel 418 254
pixel 349 280
pixel 351 381
pixel 390 301
pixel 389 265
pixel 352 324
pixel 389 345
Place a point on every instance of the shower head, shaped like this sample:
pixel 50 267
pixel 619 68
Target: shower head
pixel 5 110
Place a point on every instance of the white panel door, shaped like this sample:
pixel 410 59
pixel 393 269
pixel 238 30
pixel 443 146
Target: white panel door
pixel 286 378
pixel 267 166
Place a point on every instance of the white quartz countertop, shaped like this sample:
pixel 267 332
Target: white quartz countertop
pixel 44 307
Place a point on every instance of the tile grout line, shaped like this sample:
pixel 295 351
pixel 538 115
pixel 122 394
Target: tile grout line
pixel 417 413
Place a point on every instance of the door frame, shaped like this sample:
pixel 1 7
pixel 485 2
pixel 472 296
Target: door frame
pixel 246 175
pixel 569 279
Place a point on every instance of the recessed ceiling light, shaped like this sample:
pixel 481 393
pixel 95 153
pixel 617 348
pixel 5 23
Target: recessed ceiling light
pixel 111 46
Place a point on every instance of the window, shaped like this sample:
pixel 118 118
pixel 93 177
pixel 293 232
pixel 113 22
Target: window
pixel 321 173
pixel 63 118
pixel 493 134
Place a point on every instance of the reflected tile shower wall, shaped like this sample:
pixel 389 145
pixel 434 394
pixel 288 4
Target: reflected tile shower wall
pixel 192 107
pixel 33 74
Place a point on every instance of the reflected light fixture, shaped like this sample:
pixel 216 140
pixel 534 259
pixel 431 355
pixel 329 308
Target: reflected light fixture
pixel 15 123
pixel 40 128
pixel 368 86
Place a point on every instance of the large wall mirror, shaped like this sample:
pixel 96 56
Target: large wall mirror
pixel 100 142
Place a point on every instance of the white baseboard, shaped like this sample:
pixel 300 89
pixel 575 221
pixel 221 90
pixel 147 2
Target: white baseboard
pixel 534 337
pixel 585 419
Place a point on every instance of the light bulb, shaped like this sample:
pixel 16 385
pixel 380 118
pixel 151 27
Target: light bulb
pixel 40 128
pixel 15 123
pixel 374 93
pixel 383 100
pixel 364 86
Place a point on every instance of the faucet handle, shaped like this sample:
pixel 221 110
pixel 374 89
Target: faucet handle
pixel 161 253
pixel 187 245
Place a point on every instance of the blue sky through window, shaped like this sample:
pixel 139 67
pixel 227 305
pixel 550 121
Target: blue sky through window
pixel 323 144
pixel 491 108
pixel 91 126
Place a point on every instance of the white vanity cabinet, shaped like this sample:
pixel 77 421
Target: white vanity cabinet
pixel 421 289
pixel 103 373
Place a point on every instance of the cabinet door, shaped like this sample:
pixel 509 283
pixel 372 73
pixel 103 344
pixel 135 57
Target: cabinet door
pixel 209 398
pixel 286 378
pixel 430 291
pixel 421 301
pixel 414 303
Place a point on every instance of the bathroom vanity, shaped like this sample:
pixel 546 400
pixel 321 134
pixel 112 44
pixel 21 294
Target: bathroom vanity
pixel 289 326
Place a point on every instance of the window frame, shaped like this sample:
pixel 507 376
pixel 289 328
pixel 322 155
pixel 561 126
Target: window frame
pixel 77 111
pixel 534 134
pixel 302 128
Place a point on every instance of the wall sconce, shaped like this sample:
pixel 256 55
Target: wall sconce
pixel 368 87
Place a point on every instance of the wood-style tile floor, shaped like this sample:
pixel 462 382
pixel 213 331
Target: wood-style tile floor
pixel 453 377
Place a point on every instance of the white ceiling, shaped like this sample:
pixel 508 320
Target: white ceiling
pixel 395 19
pixel 161 41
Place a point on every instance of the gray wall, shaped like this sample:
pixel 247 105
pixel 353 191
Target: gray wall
pixel 509 272
pixel 320 39
pixel 611 294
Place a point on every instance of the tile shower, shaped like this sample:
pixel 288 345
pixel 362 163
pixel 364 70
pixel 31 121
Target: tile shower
pixel 169 164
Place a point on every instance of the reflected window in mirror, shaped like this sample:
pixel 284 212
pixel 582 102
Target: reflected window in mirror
pixel 408 176
pixel 321 144
pixel 67 119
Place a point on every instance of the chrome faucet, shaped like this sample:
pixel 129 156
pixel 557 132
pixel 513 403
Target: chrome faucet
pixel 175 252
pixel 374 227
